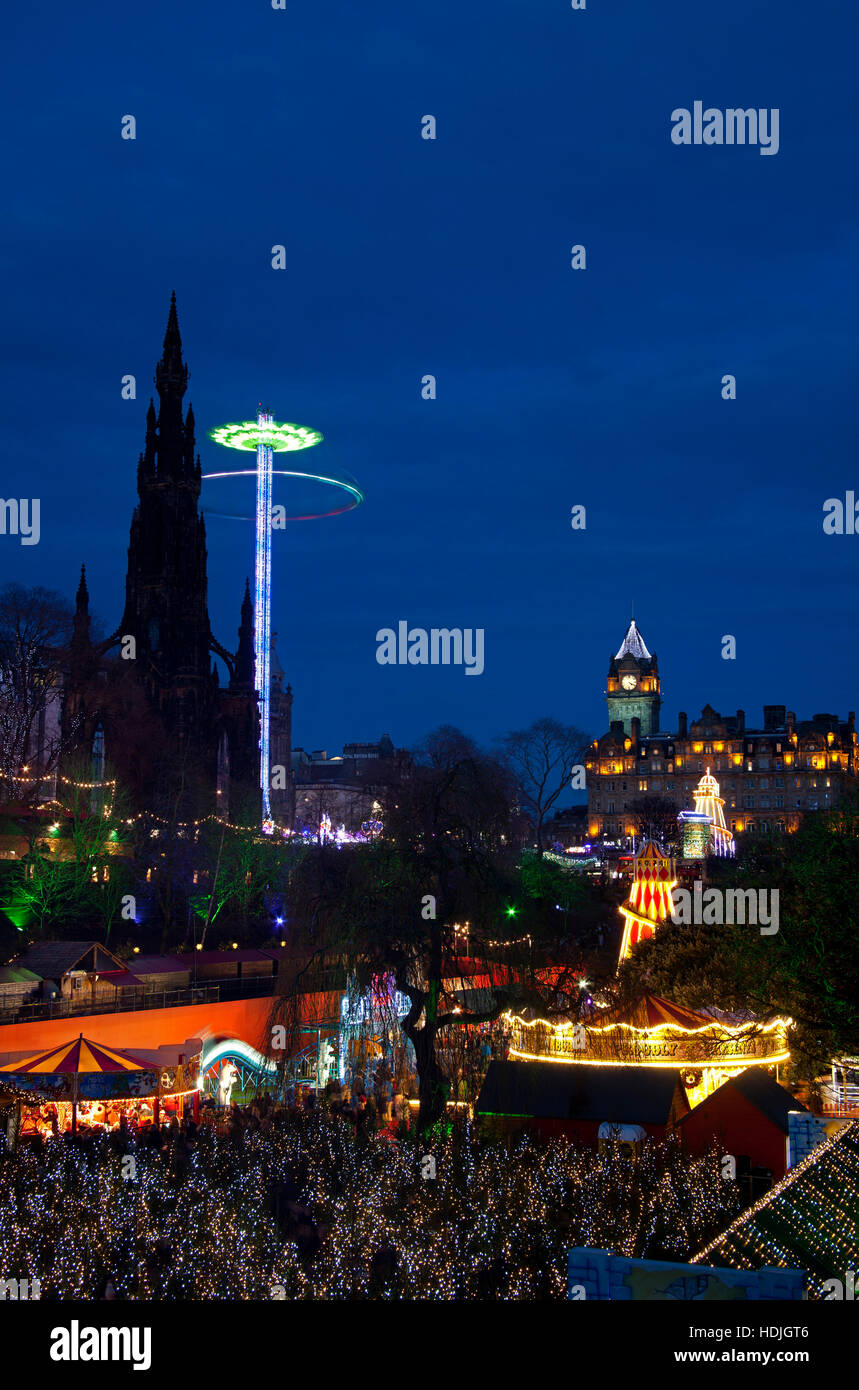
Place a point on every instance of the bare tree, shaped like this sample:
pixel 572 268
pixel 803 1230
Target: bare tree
pixel 542 758
pixel 35 629
pixel 656 817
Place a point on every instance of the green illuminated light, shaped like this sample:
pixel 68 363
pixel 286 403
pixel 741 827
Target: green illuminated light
pixel 282 439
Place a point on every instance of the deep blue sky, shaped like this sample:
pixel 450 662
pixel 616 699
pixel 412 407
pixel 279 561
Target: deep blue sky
pixel 405 257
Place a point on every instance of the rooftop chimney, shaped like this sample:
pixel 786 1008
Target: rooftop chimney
pixel 773 718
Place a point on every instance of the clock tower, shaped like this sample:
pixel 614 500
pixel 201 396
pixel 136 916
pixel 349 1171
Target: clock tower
pixel 633 690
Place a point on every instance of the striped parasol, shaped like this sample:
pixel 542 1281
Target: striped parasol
pixel 79 1056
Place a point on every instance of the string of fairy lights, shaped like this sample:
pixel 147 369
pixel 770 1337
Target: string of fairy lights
pixel 200 1225
pixel 127 820
pixel 369 830
pixel 809 1220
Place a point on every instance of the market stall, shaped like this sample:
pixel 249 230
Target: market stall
pixel 83 1084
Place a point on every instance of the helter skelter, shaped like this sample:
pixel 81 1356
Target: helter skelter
pixel 708 802
pixel 307 496
pixel 650 900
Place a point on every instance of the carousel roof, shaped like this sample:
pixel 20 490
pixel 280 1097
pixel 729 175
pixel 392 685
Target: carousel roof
pixel 652 1011
pixel 81 1055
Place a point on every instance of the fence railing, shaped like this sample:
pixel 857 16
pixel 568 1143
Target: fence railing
pixel 331 980
pixel 841 1108
pixel 132 1000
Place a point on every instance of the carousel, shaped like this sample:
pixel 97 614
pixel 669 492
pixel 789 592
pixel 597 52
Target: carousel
pixel 86 1085
pixel 706 1048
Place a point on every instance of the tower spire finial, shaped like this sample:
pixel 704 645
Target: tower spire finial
pixel 80 622
pixel 245 651
pixel 82 596
pixel 633 642
pixel 171 374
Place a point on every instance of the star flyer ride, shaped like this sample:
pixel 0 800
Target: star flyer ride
pixel 311 496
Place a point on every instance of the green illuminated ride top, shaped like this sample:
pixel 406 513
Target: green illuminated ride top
pixel 281 439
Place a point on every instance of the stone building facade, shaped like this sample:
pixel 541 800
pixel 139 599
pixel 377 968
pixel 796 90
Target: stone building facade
pixel 769 775
pixel 350 789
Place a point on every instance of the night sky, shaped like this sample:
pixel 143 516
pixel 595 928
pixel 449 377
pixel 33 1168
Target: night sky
pixel 452 257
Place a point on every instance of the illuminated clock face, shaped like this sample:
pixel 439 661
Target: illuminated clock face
pixel 629 682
